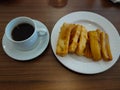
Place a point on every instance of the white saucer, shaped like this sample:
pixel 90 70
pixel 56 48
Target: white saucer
pixel 38 49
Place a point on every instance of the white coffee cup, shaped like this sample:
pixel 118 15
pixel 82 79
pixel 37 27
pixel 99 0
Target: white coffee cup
pixel 28 43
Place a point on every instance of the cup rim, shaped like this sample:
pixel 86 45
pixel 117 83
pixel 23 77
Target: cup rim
pixel 13 20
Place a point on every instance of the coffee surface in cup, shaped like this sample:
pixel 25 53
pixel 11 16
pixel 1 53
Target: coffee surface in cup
pixel 22 31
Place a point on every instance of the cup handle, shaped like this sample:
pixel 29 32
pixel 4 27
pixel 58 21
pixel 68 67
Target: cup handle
pixel 41 31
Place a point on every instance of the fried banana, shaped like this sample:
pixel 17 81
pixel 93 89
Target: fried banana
pixel 106 52
pixel 75 33
pixel 98 33
pixel 82 41
pixel 95 45
pixel 87 52
pixel 63 39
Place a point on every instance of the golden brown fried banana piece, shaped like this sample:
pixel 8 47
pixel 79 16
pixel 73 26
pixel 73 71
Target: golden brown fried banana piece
pixel 103 46
pixel 98 33
pixel 95 45
pixel 63 39
pixel 82 41
pixel 75 33
pixel 87 52
pixel 106 52
pixel 108 47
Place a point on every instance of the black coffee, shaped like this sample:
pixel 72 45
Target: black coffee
pixel 22 31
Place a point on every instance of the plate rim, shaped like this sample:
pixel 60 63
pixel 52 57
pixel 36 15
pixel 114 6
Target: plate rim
pixel 79 12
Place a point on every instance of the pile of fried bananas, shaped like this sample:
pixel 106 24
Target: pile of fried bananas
pixel 74 38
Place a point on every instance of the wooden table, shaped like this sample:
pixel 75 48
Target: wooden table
pixel 45 72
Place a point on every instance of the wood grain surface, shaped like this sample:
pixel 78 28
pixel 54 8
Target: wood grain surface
pixel 45 72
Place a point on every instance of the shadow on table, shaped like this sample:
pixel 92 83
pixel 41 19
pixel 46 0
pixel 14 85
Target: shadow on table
pixel 103 3
pixel 108 3
pixel 8 1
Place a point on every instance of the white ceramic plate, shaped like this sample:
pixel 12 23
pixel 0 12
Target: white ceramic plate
pixel 91 21
pixel 38 49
